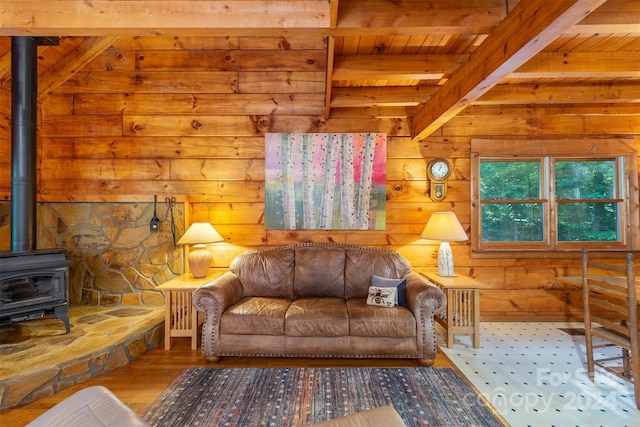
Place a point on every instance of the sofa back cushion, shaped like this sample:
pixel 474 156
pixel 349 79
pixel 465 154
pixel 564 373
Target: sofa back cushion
pixel 315 270
pixel 319 271
pixel 265 272
pixel 362 263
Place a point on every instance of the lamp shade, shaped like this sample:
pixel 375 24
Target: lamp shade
pixel 445 227
pixel 199 233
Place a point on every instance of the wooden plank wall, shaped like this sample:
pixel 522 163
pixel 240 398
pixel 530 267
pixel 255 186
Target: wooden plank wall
pixel 186 117
pixel 5 141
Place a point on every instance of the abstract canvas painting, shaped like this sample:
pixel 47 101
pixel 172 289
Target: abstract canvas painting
pixel 325 181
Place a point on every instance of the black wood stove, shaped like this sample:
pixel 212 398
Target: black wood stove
pixel 34 284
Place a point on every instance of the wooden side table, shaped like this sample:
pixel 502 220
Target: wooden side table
pixel 181 319
pixel 463 305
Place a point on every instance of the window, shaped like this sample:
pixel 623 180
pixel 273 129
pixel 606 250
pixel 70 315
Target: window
pixel 527 201
pixel 511 200
pixel 589 200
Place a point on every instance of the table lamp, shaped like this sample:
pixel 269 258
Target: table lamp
pixel 198 235
pixel 445 227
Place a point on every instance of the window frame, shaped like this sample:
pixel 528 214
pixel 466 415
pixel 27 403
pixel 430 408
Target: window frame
pixel 548 152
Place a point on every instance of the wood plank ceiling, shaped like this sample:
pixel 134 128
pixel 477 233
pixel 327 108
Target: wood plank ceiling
pixel 421 60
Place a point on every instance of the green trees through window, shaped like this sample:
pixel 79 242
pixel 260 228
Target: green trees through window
pixel 512 209
pixel 588 204
pixel 549 200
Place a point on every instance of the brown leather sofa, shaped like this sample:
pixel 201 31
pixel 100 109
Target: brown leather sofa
pixel 309 300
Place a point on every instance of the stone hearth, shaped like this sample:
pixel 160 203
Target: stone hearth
pixel 38 359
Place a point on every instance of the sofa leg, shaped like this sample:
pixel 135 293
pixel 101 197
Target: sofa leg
pixel 213 359
pixel 426 362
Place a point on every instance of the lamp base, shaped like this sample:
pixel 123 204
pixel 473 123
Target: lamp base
pixel 445 260
pixel 199 260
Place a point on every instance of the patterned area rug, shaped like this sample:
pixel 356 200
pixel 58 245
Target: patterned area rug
pixel 296 396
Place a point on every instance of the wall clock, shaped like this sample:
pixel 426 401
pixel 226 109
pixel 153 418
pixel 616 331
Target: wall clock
pixel 438 172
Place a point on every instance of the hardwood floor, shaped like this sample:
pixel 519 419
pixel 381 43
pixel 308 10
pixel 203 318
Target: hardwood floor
pixel 140 382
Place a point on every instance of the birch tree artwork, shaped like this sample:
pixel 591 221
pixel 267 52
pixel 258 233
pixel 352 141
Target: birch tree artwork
pixel 327 181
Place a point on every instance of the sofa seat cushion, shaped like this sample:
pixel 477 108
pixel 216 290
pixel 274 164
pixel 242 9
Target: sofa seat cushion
pixel 317 317
pixel 255 316
pixel 373 321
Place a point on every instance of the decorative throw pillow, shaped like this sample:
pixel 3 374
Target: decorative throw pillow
pixel 385 297
pixel 400 284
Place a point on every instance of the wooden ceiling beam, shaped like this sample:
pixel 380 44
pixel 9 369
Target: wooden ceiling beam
pixel 605 28
pixel 381 96
pixel 417 17
pixel 266 17
pixel 526 30
pixel 614 16
pixel 390 67
pixel 248 17
pixel 574 110
pixel 64 69
pixel 373 112
pixel 502 94
pixel 610 64
pixel 140 17
pixel 578 93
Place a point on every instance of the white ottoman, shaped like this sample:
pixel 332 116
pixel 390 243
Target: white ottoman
pixel 90 407
pixel 383 416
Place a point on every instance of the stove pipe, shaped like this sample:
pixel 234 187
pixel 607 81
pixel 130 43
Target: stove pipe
pixel 24 98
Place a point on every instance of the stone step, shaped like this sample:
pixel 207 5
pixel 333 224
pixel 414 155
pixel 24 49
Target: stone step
pixel 37 357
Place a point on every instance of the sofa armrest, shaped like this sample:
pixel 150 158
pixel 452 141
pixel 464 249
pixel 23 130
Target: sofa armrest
pixel 213 299
pixel 425 300
pixel 421 291
pixel 220 293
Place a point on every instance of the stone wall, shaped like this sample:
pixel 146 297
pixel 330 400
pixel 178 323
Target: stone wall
pixel 115 258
